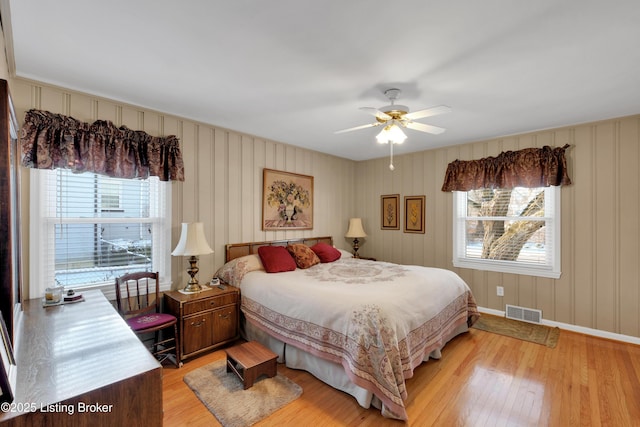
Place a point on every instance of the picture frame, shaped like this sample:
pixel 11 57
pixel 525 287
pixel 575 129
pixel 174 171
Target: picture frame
pixel 390 212
pixel 414 208
pixel 7 365
pixel 287 200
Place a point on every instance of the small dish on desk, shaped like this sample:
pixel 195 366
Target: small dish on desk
pixel 54 304
pixel 69 298
pixel 48 303
pixel 74 298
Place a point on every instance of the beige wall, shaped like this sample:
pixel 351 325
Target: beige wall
pixel 600 285
pixel 223 182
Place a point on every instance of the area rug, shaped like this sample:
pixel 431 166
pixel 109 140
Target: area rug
pixel 224 395
pixel 539 334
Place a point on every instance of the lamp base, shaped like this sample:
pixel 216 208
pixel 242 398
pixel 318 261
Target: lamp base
pixel 192 288
pixel 193 285
pixel 356 246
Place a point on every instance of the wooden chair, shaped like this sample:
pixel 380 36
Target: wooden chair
pixel 139 305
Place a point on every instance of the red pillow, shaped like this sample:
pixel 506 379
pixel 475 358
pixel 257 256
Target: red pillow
pixel 326 252
pixel 276 259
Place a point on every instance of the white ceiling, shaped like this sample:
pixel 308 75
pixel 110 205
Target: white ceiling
pixel 295 71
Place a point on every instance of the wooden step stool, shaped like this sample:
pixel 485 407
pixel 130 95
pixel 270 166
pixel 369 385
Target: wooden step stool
pixel 250 360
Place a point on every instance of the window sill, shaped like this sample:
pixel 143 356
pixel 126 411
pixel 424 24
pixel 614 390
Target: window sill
pixel 506 267
pixel 109 289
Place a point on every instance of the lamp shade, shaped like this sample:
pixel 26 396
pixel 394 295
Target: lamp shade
pixel 355 229
pixel 192 241
pixel 391 133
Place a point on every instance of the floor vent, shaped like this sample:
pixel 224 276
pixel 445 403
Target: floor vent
pixel 525 314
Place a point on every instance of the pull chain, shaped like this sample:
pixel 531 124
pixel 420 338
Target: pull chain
pixel 391 167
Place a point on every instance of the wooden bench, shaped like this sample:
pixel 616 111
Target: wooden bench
pixel 251 360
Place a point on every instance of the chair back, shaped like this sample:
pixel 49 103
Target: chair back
pixel 138 293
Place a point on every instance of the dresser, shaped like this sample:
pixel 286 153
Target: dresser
pixel 81 365
pixel 206 320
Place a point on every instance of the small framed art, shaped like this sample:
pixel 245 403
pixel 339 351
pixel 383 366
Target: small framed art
pixel 390 213
pixel 414 214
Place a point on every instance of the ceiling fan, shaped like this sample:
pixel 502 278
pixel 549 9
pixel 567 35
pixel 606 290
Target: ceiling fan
pixel 394 116
pixel 400 115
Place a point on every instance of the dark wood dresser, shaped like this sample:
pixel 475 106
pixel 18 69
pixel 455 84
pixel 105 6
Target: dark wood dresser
pixel 80 365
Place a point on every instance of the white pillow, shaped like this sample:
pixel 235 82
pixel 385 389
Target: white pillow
pixel 345 254
pixel 233 271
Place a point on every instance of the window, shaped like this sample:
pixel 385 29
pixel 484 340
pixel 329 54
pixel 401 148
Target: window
pixel 88 229
pixel 508 230
pixel 110 193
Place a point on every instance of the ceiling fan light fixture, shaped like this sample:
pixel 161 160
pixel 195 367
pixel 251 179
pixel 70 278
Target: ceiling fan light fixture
pixel 391 133
pixel 394 116
pixel 382 137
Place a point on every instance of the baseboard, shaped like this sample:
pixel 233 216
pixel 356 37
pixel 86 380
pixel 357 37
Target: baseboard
pixel 574 328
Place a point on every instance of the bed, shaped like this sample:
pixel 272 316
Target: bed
pixel 360 326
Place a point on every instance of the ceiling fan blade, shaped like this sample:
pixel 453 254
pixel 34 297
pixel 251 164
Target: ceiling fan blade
pixel 441 109
pixel 358 127
pixel 424 128
pixel 375 112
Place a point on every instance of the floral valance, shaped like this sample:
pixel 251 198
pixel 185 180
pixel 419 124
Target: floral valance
pixel 531 167
pixel 51 141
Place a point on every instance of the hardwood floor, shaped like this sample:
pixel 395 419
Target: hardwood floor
pixel 483 379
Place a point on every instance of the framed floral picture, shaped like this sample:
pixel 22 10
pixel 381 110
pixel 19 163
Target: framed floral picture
pixel 287 201
pixel 390 215
pixel 414 214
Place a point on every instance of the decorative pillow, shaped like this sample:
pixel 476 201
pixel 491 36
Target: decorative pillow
pixel 346 254
pixel 233 271
pixel 326 252
pixel 303 255
pixel 276 259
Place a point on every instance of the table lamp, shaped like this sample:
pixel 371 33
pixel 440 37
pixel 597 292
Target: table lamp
pixel 192 243
pixel 355 232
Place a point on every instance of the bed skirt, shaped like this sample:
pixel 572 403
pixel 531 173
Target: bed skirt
pixel 326 371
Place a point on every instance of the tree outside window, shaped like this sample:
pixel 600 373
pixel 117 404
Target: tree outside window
pixel 508 230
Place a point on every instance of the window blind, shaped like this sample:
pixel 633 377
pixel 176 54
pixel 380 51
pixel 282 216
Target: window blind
pixel 90 229
pixel 509 230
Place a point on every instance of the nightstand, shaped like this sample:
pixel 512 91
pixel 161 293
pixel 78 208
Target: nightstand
pixel 206 320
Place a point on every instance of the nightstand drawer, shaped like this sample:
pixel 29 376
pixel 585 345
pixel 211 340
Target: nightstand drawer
pixel 209 303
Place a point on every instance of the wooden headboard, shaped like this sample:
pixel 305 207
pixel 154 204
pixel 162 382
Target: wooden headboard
pixel 236 250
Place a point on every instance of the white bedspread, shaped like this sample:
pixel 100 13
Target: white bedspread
pixel 379 320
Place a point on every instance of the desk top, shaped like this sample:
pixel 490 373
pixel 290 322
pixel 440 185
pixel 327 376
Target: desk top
pixel 69 350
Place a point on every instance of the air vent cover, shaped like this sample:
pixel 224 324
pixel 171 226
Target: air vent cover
pixel 525 314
